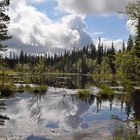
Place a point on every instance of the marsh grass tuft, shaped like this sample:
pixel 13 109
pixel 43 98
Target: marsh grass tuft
pixel 83 93
pixel 106 90
pixel 40 88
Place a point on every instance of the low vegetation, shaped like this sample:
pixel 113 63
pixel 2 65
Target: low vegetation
pixel 9 88
pixel 106 90
pixel 83 93
pixel 130 136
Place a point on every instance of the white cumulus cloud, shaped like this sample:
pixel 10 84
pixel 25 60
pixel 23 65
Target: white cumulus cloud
pixel 34 32
pixel 118 43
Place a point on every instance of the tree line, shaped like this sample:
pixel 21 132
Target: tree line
pixel 99 61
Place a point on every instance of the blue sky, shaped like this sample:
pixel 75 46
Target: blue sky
pixel 111 26
pixel 41 26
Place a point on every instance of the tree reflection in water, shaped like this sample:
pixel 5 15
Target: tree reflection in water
pixel 35 105
pixel 2 117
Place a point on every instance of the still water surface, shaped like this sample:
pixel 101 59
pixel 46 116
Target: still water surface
pixel 56 115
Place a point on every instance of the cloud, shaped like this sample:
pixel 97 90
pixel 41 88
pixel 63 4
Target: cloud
pixel 37 1
pixel 25 113
pixel 34 32
pixel 108 43
pixel 85 7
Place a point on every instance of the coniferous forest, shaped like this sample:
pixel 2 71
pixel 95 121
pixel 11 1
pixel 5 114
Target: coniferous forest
pixel 97 60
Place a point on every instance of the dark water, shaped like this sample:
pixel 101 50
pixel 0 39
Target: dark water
pixel 67 81
pixel 54 115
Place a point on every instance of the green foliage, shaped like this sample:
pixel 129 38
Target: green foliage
pixel 83 93
pixel 106 90
pixel 127 86
pixel 130 43
pixel 40 88
pixel 104 64
pixel 43 88
pixel 133 10
pixel 7 88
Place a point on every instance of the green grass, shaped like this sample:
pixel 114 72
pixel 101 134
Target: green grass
pixel 83 93
pixel 10 88
pixel 41 88
pixel 106 90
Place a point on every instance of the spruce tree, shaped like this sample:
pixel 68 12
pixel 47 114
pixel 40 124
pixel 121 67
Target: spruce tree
pixel 130 43
pixel 111 55
pixel 4 21
pixel 99 52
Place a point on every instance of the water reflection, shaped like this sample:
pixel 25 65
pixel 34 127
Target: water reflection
pixel 35 106
pixel 65 81
pixel 36 138
pixel 2 108
pixel 32 113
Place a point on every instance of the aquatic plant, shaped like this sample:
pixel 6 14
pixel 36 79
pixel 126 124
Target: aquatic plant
pixel 106 90
pixel 40 88
pixel 83 93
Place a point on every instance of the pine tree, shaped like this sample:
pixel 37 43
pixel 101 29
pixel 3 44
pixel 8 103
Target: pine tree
pixel 4 20
pixel 99 52
pixel 130 43
pixel 21 57
pixel 123 46
pixel 93 51
pixel 111 55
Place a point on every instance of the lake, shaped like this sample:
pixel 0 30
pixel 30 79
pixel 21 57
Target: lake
pixel 59 114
